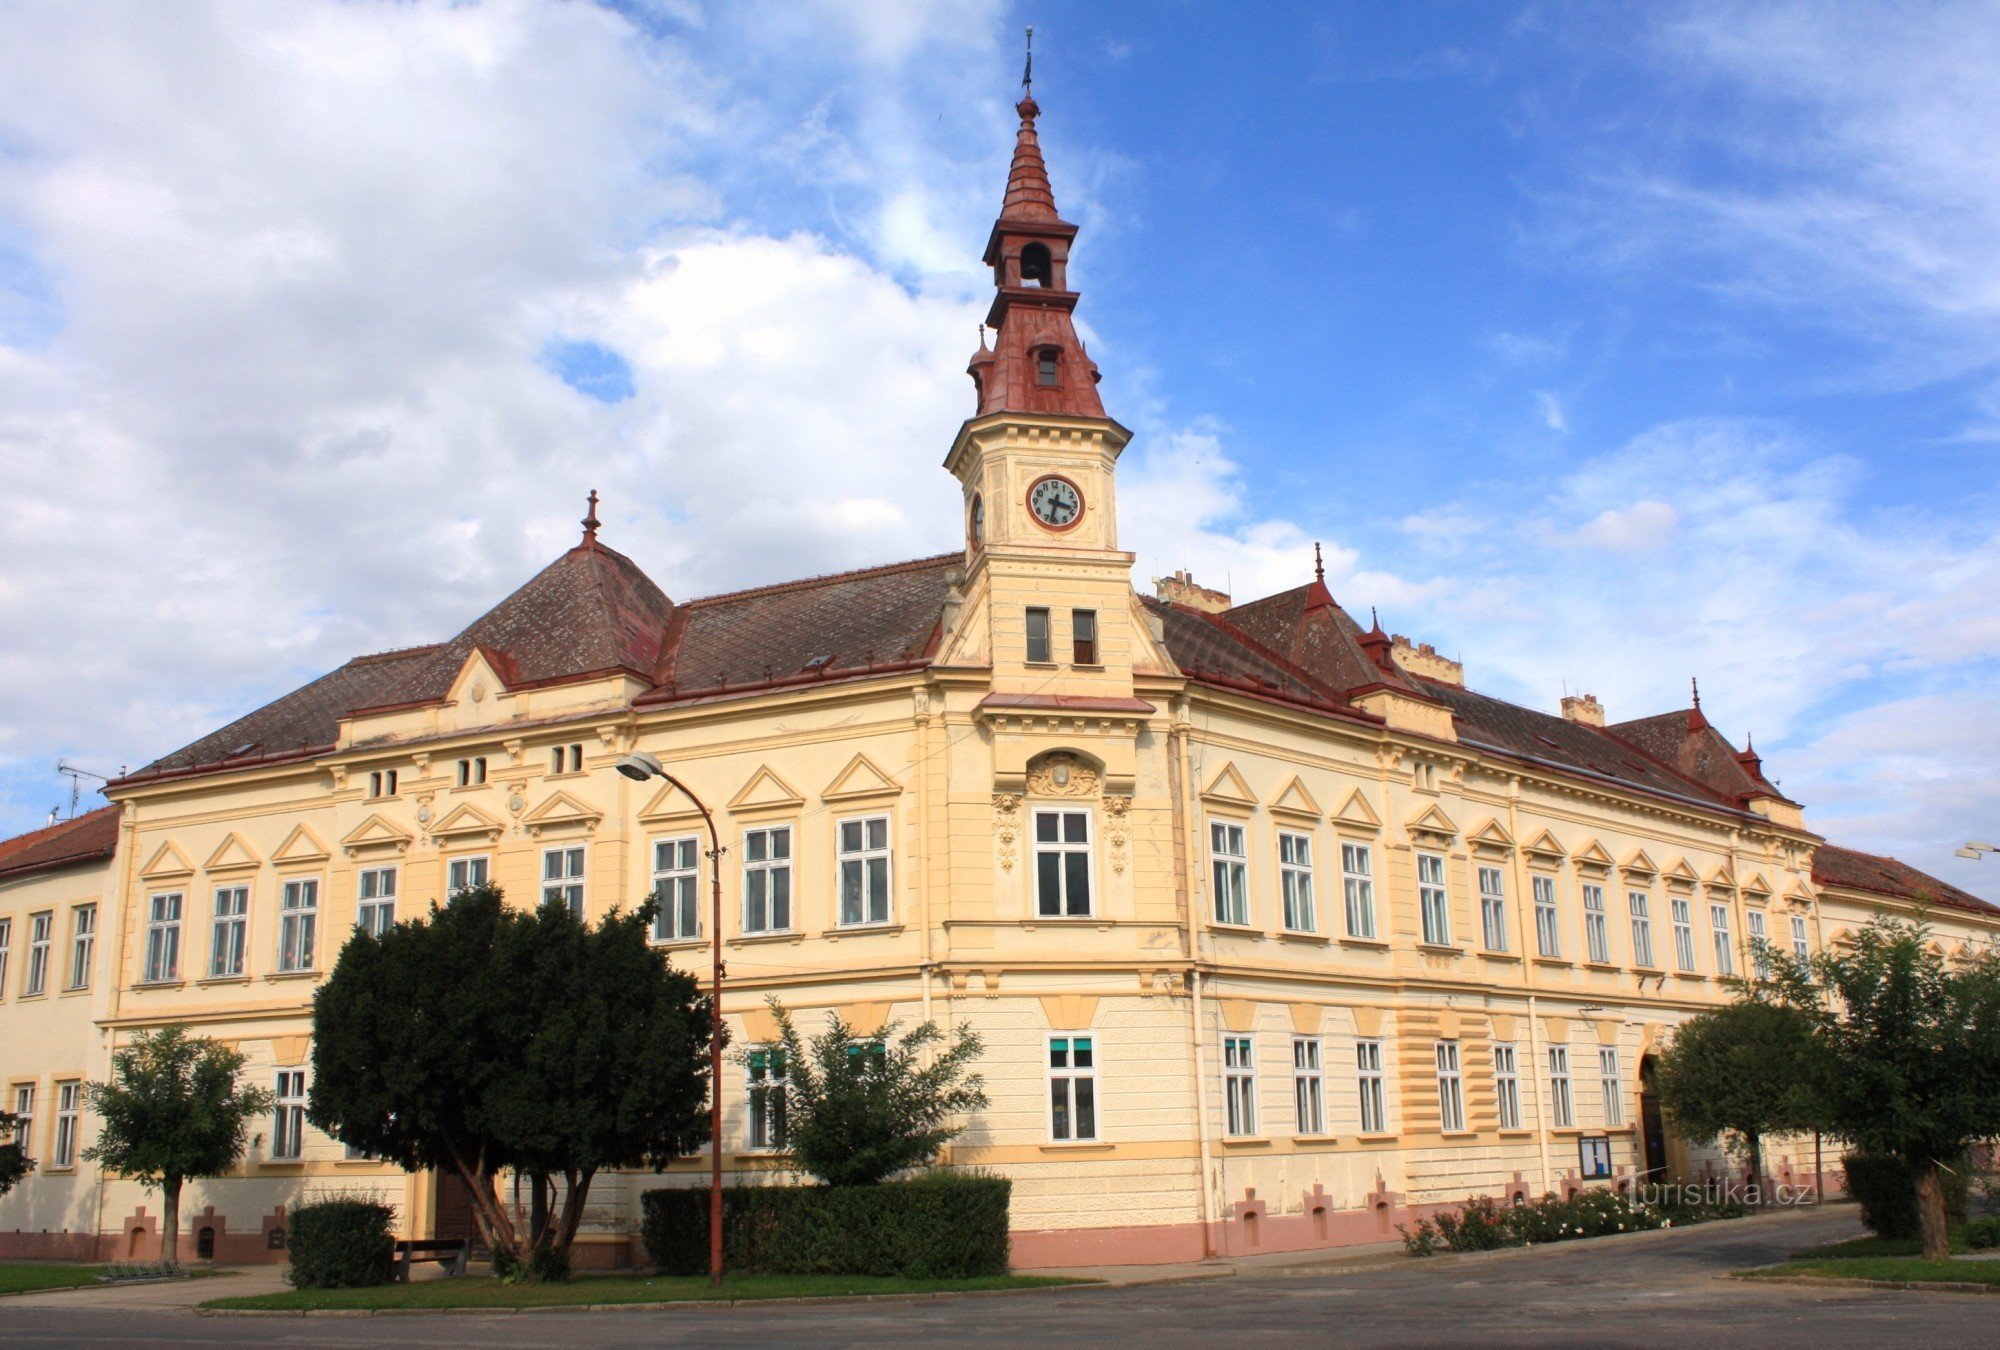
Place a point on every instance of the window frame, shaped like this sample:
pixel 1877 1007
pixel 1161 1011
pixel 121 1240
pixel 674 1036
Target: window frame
pixel 765 1131
pixel 1070 1084
pixel 163 938
pixel 768 868
pixel 1548 917
pixel 1450 1086
pixel 1507 1085
pixel 566 759
pixel 382 783
pixel 1639 904
pixel 236 925
pixel 1596 926
pixel 1239 1085
pixel 1034 618
pixel 1681 908
pixel 288 1116
pixel 1084 649
pixel 1434 892
pixel 41 952
pixel 1229 872
pixel 1371 1096
pixel 1724 939
pixel 69 1124
pixel 483 862
pixel 1357 888
pixel 1064 848
pixel 864 857
pixel 685 882
pixel 82 945
pixel 6 950
pixel 296 919
pixel 1611 1084
pixel 25 1094
pixel 376 914
pixel 1562 1096
pixel 1492 907
pixel 1801 938
pixel 571 888
pixel 1759 938
pixel 1296 889
pixel 472 771
pixel 1308 1086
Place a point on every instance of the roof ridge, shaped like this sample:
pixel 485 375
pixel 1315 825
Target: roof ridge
pixel 371 658
pixel 29 838
pixel 1284 663
pixel 824 579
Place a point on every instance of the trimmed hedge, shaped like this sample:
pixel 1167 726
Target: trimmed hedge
pixel 341 1244
pixel 941 1225
pixel 1883 1183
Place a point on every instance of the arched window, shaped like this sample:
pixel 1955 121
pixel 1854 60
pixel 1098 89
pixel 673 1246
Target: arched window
pixel 1036 268
pixel 1045 367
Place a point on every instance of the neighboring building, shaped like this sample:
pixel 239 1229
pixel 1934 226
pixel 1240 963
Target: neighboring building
pixel 1273 928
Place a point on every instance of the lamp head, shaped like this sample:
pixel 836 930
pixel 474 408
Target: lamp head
pixel 1969 852
pixel 639 766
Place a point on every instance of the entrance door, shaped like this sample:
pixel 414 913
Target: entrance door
pixel 1653 1127
pixel 454 1213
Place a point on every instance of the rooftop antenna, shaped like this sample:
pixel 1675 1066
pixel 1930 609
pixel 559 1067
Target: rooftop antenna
pixel 1028 71
pixel 76 775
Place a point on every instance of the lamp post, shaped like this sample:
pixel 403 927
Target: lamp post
pixel 639 766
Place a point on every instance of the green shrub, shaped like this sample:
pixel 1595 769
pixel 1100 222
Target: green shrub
pixel 341 1244
pixel 1981 1234
pixel 1484 1223
pixel 546 1264
pixel 1887 1190
pixel 941 1225
pixel 1479 1226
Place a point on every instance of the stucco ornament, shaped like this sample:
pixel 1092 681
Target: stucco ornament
pixel 1007 828
pixel 1117 811
pixel 1061 774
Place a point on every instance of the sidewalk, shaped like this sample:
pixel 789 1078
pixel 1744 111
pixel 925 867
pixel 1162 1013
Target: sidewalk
pixel 1266 1263
pixel 177 1296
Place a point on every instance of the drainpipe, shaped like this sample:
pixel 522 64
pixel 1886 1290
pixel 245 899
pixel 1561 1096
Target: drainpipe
pixel 1521 898
pixel 1541 1115
pixel 1178 770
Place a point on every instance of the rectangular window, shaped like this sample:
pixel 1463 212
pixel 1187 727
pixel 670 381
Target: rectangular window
pixel 1295 880
pixel 1493 908
pixel 82 945
pixel 1357 884
pixel 298 924
pixel 1562 1110
pixel 1072 1088
pixel 1039 652
pixel 1368 1079
pixel 1596 927
pixel 163 938
pixel 1432 900
pixel 766 1068
pixel 1725 948
pixel 1548 934
pixel 288 1116
pixel 24 1117
pixel 1308 1086
pixel 6 952
pixel 1760 944
pixel 1683 933
pixel 472 772
pixel 562 878
pixel 1608 1083
pixel 1801 944
pixel 69 1104
pixel 382 783
pixel 376 909
pixel 1231 869
pixel 1239 1085
pixel 864 870
pixel 229 932
pixel 1506 1086
pixel 467 874
pixel 767 880
pixel 676 886
pixel 565 759
pixel 1062 864
pixel 1642 928
pixel 41 938
pixel 1083 635
pixel 1451 1088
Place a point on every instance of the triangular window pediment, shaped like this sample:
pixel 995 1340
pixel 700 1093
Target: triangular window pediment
pixel 1546 848
pixel 1295 800
pixel 232 855
pixel 765 790
pixel 1640 864
pixel 301 846
pixel 376 832
pixel 862 778
pixel 1434 823
pixel 466 820
pixel 1592 857
pixel 167 861
pixel 562 811
pixel 1357 812
pixel 1491 838
pixel 1228 788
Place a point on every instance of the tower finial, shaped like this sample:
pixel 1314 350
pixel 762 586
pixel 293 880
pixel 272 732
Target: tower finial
pixel 1374 619
pixel 590 521
pixel 1695 680
pixel 1319 567
pixel 1028 71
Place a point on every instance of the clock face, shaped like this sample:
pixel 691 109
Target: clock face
pixel 976 526
pixel 1055 502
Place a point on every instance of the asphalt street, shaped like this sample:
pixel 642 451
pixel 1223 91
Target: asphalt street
pixel 1656 1290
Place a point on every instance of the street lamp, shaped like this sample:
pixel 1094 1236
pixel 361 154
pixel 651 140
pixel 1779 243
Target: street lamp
pixel 1972 850
pixel 639 766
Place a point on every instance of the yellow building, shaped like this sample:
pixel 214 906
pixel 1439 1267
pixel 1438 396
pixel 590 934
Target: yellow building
pixel 1275 930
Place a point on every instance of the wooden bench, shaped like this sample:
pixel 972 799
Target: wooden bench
pixel 451 1253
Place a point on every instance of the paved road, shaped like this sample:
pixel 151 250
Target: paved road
pixel 1656 1290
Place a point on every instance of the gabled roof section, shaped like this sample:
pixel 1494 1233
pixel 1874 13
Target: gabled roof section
pixel 1687 742
pixel 1853 870
pixel 1208 650
pixel 1307 628
pixel 91 837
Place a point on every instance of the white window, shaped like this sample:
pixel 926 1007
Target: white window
pixel 1596 928
pixel 472 772
pixel 163 938
pixel 288 1116
pixel 1072 1088
pixel 1683 933
pixel 1432 901
pixel 562 878
pixel 1506 1085
pixel 1608 1084
pixel 1368 1079
pixel 382 783
pixel 1725 949
pixel 1039 651
pixel 6 952
pixel 676 886
pixel 228 934
pixel 467 874
pixel 1548 940
pixel 69 1102
pixel 1642 927
pixel 1801 944
pixel 1493 909
pixel 82 945
pixel 1295 881
pixel 1760 951
pixel 1358 883
pixel 1062 864
pixel 864 870
pixel 24 1117
pixel 376 912
pixel 767 1082
pixel 767 880
pixel 41 937
pixel 566 759
pixel 1308 1086
pixel 1239 1085
pixel 298 924
pixel 1451 1088
pixel 1231 870
pixel 1562 1110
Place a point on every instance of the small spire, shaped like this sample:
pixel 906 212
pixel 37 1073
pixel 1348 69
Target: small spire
pixel 590 521
pixel 1695 680
pixel 1374 620
pixel 1319 567
pixel 1028 71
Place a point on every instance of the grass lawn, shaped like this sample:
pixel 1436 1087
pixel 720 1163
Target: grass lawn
pixel 1905 1269
pixel 24 1277
pixel 474 1291
pixel 1873 1246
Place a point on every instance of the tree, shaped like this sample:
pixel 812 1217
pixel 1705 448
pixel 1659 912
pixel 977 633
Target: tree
pixel 14 1160
pixel 173 1110
pixel 859 1109
pixel 479 1039
pixel 1742 1072
pixel 1911 1051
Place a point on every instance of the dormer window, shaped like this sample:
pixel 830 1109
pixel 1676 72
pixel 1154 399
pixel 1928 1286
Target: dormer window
pixel 1045 367
pixel 1036 268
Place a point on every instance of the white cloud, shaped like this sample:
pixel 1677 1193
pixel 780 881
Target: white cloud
pixel 1639 528
pixel 1550 408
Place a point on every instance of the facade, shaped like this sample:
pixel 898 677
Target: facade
pixel 1276 931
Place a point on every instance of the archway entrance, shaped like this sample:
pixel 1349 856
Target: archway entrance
pixel 1651 1126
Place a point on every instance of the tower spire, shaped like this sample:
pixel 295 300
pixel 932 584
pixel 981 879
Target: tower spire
pixel 590 521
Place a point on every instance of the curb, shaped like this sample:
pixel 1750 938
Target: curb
pixel 932 1296
pixel 1849 1282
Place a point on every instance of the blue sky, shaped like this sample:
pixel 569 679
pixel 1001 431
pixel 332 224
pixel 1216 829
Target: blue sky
pixel 1603 345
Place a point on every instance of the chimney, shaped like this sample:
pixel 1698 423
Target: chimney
pixel 1181 589
pixel 1583 708
pixel 1423 659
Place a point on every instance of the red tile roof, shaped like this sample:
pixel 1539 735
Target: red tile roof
pixel 1686 740
pixel 87 838
pixel 1851 870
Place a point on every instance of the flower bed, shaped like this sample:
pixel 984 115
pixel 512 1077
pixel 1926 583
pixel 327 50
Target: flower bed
pixel 1483 1223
